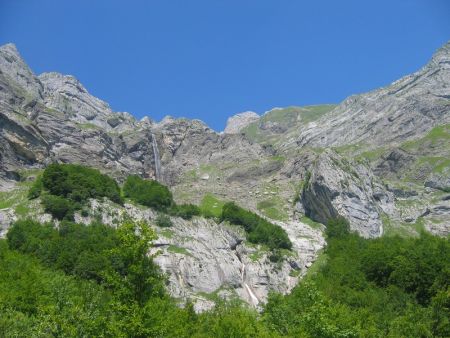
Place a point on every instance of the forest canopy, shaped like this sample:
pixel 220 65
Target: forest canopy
pixel 95 280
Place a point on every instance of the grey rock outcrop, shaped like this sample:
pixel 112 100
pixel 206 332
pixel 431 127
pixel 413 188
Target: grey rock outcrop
pixel 239 121
pixel 406 109
pixel 394 162
pixel 203 258
pixel 337 187
pixel 7 217
pixel 439 181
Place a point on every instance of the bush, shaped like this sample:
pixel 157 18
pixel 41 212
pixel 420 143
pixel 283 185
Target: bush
pixel 67 187
pixel 186 211
pixel 384 287
pixel 148 192
pixel 416 266
pixel 163 221
pixel 258 229
pixel 36 188
pixel 115 257
pixel 79 183
pixel 337 227
pixel 59 207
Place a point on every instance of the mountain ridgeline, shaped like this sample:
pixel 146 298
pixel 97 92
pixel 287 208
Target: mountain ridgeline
pixel 334 223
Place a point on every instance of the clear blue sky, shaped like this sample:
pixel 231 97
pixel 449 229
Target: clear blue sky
pixel 210 59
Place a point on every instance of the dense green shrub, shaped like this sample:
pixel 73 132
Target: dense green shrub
pixel 258 229
pixel 36 188
pixel 186 211
pixel 64 188
pixel 337 227
pixel 40 302
pixel 163 221
pixel 79 183
pixel 96 252
pixel 385 287
pixel 417 266
pixel 148 192
pixel 59 207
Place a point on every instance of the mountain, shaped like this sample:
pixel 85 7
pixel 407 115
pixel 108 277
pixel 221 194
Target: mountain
pixel 379 159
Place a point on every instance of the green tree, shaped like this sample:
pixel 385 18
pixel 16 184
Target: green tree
pixel 258 229
pixel 148 192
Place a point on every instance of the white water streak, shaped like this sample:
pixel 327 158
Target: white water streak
pixel 250 292
pixel 156 159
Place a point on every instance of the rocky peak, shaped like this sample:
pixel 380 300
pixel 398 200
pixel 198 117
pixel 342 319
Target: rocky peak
pixel 239 121
pixel 182 125
pixel 16 70
pixel 66 94
pixel 406 109
pixel 442 56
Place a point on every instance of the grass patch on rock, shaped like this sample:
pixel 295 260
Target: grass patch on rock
pixel 211 206
pixel 272 207
pixel 311 223
pixel 178 250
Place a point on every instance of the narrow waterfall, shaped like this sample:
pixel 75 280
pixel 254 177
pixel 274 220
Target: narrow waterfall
pixel 156 159
pixel 250 292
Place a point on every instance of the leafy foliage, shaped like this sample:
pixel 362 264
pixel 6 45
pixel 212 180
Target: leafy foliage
pixel 39 302
pixel 98 281
pixel 79 183
pixel 68 186
pixel 386 287
pixel 116 258
pixel 258 229
pixel 59 207
pixel 186 211
pixel 337 227
pixel 148 192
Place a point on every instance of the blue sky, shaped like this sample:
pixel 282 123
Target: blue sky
pixel 211 59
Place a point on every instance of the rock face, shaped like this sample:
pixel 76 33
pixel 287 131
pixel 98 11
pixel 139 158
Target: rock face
pixel 7 217
pixel 203 258
pixel 53 118
pixel 239 121
pixel 403 110
pixel 337 187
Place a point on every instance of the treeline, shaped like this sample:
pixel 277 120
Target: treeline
pixel 97 281
pixel 385 287
pixel 66 188
pixel 157 196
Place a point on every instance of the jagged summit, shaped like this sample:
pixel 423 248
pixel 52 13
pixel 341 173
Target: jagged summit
pixel 9 47
pixel 442 56
pixel 14 67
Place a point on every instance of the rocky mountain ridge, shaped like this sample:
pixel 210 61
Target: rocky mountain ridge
pixel 379 159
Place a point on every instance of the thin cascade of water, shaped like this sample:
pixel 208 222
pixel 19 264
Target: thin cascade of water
pixel 250 292
pixel 156 158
